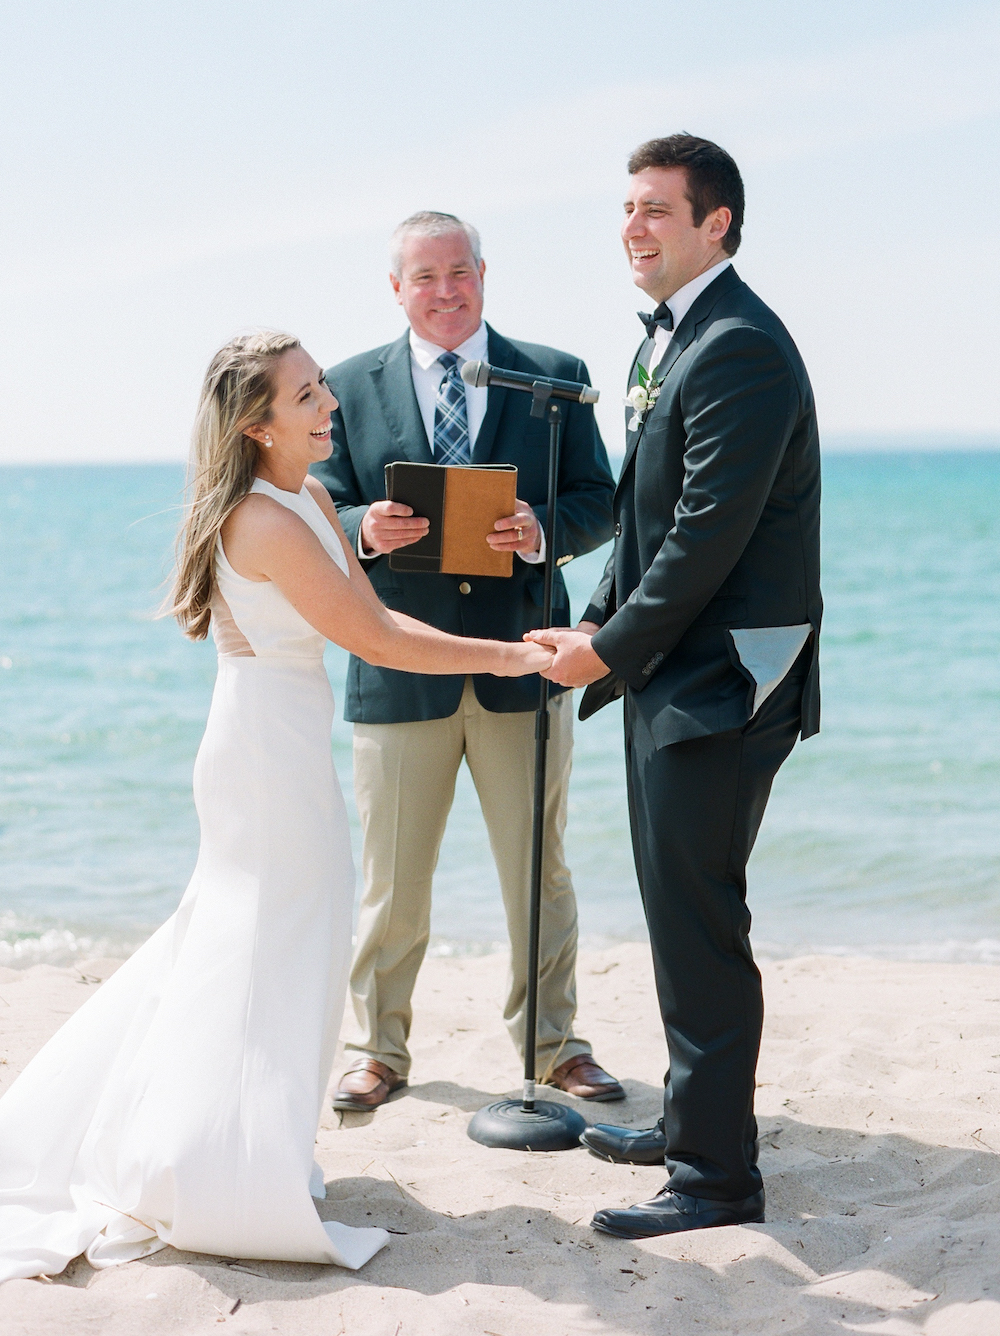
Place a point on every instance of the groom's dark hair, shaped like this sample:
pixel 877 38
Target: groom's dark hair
pixel 713 179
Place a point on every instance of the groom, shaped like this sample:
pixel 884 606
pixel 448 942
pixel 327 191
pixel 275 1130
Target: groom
pixel 707 620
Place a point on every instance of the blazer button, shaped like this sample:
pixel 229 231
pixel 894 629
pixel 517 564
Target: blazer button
pixel 618 531
pixel 465 587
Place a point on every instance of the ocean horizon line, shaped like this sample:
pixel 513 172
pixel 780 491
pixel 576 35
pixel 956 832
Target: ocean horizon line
pixel 833 442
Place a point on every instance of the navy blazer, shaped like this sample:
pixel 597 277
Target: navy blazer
pixel 378 422
pixel 717 523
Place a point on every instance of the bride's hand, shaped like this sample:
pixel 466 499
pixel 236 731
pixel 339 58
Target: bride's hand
pixel 523 658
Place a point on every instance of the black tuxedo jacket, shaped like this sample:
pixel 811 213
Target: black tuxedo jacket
pixel 717 522
pixel 379 421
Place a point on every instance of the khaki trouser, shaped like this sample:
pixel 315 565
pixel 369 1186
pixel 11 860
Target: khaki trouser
pixel 404 784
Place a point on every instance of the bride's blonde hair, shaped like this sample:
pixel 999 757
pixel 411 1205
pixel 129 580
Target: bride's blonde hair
pixel 237 394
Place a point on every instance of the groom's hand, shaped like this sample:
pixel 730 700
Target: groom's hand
pixel 574 664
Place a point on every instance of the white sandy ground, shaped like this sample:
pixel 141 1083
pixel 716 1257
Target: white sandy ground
pixel 879 1106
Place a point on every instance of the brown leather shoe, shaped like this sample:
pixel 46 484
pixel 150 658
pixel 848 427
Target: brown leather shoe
pixel 581 1076
pixel 366 1084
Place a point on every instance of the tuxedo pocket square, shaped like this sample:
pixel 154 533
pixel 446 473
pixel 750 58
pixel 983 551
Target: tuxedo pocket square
pixel 766 654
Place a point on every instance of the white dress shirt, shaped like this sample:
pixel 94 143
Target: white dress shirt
pixel 679 305
pixel 427 373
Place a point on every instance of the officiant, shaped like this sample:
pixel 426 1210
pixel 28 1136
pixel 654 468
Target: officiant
pixel 407 401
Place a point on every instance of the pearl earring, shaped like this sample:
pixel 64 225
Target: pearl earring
pixel 268 442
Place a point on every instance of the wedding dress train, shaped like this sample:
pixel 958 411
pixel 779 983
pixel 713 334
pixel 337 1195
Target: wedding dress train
pixel 179 1105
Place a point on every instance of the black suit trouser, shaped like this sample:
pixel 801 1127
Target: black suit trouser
pixel 695 808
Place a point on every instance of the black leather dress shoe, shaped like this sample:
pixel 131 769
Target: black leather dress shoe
pixel 621 1145
pixel 673 1212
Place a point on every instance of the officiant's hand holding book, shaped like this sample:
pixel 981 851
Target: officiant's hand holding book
pixel 389 525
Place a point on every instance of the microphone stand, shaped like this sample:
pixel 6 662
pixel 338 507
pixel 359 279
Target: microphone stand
pixel 530 1123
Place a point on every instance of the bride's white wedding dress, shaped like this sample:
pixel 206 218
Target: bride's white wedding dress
pixel 179 1105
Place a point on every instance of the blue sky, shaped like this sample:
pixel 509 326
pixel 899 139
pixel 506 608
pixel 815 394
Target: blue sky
pixel 175 173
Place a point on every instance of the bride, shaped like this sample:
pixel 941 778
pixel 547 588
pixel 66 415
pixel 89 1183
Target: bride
pixel 179 1105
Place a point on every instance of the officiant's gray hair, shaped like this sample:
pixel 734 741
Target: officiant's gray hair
pixel 427 223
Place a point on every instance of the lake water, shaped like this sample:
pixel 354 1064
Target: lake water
pixel 882 837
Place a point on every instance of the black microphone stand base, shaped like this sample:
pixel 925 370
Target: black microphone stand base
pixel 509 1125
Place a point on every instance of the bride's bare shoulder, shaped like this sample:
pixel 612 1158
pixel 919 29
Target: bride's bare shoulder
pixel 260 536
pixel 259 517
pixel 322 498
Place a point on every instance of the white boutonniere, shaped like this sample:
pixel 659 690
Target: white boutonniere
pixel 642 397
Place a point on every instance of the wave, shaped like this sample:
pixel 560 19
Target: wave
pixel 23 945
pixel 957 951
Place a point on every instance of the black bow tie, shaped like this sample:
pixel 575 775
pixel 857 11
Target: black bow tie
pixel 661 316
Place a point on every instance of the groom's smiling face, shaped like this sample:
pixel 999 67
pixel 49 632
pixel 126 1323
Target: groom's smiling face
pixel 665 248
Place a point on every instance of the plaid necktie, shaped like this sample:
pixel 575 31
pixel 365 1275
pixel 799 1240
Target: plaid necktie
pixel 451 417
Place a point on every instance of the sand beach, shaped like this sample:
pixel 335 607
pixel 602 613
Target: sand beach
pixel 879 1109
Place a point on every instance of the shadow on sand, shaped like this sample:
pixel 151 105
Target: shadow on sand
pixel 837 1202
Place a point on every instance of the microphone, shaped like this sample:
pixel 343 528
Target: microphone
pixel 482 374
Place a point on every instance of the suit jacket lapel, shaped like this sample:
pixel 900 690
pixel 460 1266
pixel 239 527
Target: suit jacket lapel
pixel 632 437
pixel 498 353
pixel 683 336
pixel 393 382
pixel 633 375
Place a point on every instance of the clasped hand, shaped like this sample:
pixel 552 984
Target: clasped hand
pixel 574 662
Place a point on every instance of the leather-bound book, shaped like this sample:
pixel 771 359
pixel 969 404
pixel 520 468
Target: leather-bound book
pixel 463 503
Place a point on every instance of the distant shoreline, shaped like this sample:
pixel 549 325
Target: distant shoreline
pixel 834 443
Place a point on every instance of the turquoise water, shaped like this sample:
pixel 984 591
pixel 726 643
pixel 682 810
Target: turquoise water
pixel 882 837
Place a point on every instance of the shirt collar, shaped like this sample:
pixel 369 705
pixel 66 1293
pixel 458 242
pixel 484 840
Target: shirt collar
pixel 474 349
pixel 684 298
